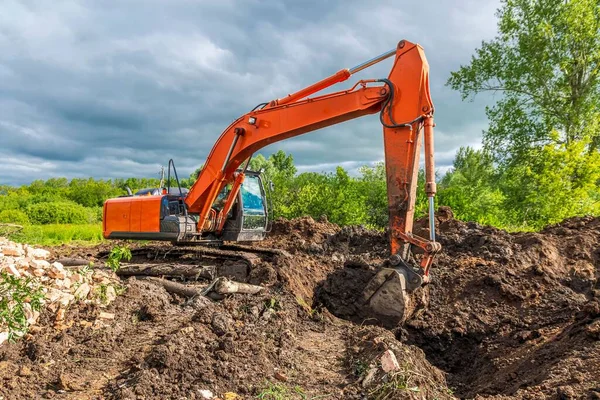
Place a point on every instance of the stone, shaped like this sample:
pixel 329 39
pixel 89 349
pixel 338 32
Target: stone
pixel 24 371
pixel 57 271
pixel 60 314
pixel 206 394
pixel 187 329
pixel 111 294
pixel 12 269
pixel 38 272
pixel 105 315
pixel 22 262
pixel 220 323
pixel 280 376
pixel 66 299
pixel 38 254
pixel 369 377
pixel 3 337
pixel 12 251
pixel 389 362
pixel 82 291
pixel 39 264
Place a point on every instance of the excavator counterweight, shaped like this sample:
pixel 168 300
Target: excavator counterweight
pixel 228 202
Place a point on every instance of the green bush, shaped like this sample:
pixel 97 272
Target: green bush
pixel 14 217
pixel 59 212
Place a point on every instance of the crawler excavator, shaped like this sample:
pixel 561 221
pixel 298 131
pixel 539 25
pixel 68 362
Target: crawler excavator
pixel 227 203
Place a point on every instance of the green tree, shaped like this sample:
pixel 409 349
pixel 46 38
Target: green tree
pixel 545 62
pixel 470 189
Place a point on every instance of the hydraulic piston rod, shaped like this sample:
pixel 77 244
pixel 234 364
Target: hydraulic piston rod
pixel 338 77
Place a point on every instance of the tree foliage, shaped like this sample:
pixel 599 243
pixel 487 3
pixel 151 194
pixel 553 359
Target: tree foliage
pixel 545 62
pixel 544 131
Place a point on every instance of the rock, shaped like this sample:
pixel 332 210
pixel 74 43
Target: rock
pixel 38 272
pixel 105 315
pixel 12 251
pixel 187 329
pixel 3 337
pixel 206 394
pixel 57 271
pixel 39 264
pixel 66 298
pixel 60 315
pixel 22 263
pixel 82 291
pixel 38 254
pixel 565 393
pixel 280 376
pixel 369 377
pixel 32 316
pixel 24 371
pixel 220 323
pixel 389 362
pixel 12 270
pixel 593 330
pixel 111 294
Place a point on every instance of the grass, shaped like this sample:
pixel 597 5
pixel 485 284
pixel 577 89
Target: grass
pixel 278 391
pixel 56 234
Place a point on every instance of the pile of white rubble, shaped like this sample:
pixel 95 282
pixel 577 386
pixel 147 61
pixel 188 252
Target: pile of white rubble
pixel 60 286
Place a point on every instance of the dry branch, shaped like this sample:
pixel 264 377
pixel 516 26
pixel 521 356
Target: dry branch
pixel 169 270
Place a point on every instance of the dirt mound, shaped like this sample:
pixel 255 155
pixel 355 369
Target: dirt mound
pixel 509 314
pixel 273 345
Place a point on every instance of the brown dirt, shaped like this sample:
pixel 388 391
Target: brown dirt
pixel 509 316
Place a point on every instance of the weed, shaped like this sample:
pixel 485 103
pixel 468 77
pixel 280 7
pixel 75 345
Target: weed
pixel 85 270
pixel 360 367
pixel 309 310
pixel 273 304
pixel 117 254
pixel 15 293
pixel 102 291
pixel 394 384
pixel 278 391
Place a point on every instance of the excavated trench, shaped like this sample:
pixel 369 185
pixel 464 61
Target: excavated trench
pixel 512 315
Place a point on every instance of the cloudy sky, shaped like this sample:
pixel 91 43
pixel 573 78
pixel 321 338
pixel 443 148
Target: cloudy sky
pixel 116 88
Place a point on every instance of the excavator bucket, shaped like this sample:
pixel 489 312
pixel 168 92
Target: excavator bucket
pixel 387 296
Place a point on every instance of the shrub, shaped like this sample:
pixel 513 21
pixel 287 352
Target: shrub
pixel 14 217
pixel 59 212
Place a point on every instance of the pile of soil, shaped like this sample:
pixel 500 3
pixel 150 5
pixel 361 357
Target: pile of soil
pixel 507 316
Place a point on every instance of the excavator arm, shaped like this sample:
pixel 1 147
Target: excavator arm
pixel 406 113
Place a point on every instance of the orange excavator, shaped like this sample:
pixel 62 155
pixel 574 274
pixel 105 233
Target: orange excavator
pixel 227 203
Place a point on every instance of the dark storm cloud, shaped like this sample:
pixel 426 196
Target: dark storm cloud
pixel 116 88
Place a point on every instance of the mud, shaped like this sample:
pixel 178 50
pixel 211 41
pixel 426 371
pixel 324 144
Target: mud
pixel 506 316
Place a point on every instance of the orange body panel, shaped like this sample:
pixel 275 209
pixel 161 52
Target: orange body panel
pixel 132 214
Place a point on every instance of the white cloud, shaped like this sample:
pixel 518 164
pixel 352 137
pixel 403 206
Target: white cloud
pixel 111 89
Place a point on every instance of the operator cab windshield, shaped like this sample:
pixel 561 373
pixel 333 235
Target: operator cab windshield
pixel 252 198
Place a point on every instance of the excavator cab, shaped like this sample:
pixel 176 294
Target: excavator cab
pixel 247 220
